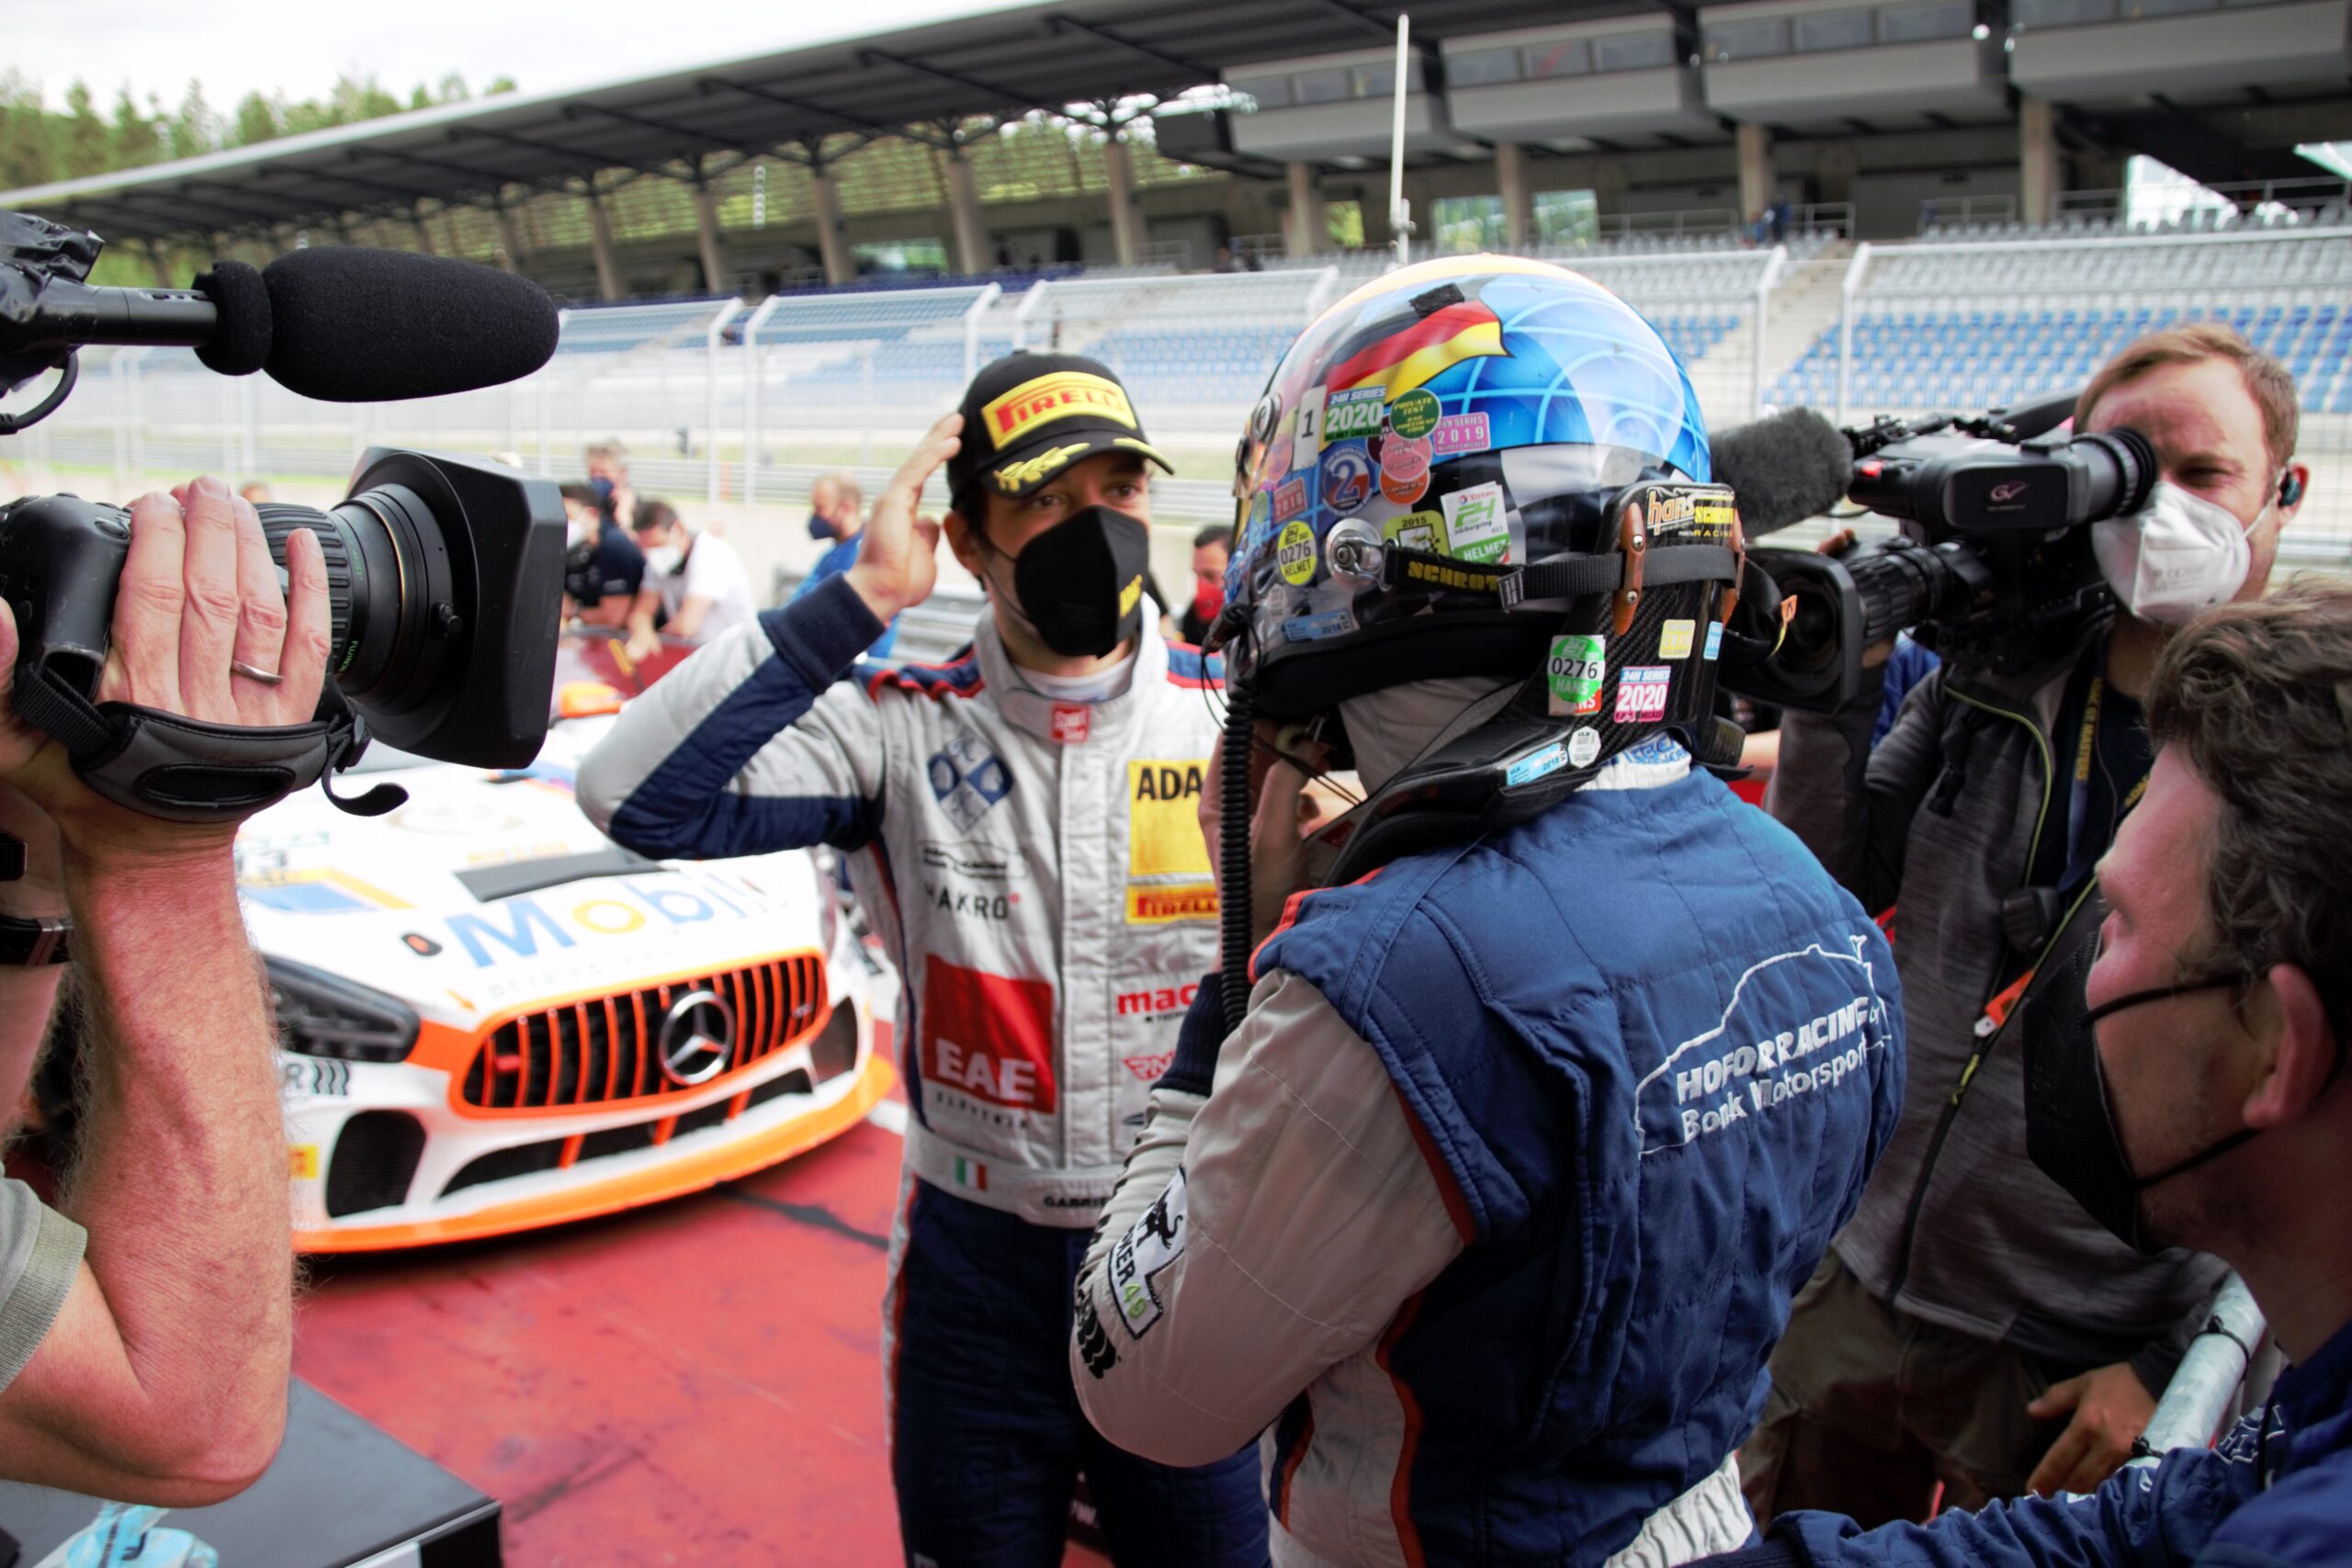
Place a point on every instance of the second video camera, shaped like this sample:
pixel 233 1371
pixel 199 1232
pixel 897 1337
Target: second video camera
pixel 1992 565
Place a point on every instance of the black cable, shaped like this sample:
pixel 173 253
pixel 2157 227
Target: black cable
pixel 1233 839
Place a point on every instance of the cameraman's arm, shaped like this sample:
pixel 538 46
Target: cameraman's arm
pixel 164 1377
pixel 1852 805
pixel 28 992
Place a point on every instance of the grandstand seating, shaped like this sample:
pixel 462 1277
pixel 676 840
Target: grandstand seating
pixel 1961 327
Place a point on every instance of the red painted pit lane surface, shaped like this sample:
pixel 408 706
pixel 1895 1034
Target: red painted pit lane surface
pixel 695 1383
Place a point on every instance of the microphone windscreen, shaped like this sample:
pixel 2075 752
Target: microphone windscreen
pixel 1784 468
pixel 241 330
pixel 360 326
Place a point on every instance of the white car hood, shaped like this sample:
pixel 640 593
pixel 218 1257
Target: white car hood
pixel 385 901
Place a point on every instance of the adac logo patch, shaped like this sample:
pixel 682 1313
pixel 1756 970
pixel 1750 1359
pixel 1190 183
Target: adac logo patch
pixel 1163 818
pixel 967 779
pixel 1012 476
pixel 1049 398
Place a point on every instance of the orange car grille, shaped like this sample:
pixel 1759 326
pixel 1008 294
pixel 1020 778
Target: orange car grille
pixel 606 1050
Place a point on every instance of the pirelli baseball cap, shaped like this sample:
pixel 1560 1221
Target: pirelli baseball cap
pixel 1029 416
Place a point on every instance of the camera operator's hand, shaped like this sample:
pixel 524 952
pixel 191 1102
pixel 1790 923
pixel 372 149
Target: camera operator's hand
pixel 898 564
pixel 1836 542
pixel 198 599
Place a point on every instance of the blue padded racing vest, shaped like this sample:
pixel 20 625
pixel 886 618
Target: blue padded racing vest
pixel 1657 1049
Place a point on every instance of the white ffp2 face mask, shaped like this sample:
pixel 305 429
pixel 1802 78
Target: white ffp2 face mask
pixel 664 560
pixel 2174 558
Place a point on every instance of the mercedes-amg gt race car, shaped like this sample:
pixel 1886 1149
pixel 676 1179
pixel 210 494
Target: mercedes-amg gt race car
pixel 492 1018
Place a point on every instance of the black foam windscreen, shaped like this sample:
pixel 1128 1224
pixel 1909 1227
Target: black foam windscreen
pixel 242 332
pixel 1783 468
pixel 360 326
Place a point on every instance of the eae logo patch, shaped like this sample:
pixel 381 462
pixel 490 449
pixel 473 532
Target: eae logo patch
pixel 1148 1069
pixel 1163 818
pixel 967 778
pixel 988 1037
pixel 1347 474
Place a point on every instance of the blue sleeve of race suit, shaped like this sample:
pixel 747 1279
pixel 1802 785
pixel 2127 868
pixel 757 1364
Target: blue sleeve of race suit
pixel 2158 1516
pixel 751 745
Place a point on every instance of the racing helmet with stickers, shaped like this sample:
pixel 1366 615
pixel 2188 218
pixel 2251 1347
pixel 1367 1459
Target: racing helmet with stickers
pixel 1432 437
pixel 1476 466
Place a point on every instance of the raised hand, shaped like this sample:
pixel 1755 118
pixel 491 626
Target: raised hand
pixel 897 561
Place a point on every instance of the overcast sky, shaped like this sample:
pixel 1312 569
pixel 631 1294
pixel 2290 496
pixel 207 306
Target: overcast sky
pixel 298 50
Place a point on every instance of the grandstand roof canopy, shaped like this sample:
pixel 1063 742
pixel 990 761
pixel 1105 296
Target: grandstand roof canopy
pixel 915 81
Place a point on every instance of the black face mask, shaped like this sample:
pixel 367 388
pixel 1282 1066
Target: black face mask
pixel 1079 583
pixel 821 529
pixel 2069 1115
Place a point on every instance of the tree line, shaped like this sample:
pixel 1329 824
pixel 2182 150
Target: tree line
pixel 40 144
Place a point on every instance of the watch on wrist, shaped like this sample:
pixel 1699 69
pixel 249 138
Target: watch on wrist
pixel 30 942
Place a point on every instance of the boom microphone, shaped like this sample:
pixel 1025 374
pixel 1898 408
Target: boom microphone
pixel 339 324
pixel 359 326
pixel 1783 468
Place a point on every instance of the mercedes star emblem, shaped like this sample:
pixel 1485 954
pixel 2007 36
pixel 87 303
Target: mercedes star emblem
pixel 697 1039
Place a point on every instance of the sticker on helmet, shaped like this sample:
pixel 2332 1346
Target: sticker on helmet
pixel 1404 470
pixel 1459 433
pixel 1476 526
pixel 1306 436
pixel 1350 414
pixel 1314 628
pixel 1261 524
pixel 1416 531
pixel 1674 638
pixel 1415 414
pixel 1641 694
pixel 1296 553
pixel 1290 500
pixel 1574 673
pixel 1583 747
pixel 1536 764
pixel 1347 478
pixel 1714 640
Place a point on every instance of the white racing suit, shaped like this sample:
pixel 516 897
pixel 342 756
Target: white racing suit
pixel 1036 870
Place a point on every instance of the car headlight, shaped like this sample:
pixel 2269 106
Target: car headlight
pixel 321 1014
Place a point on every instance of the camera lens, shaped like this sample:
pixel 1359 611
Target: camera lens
pixel 444 580
pixel 387 567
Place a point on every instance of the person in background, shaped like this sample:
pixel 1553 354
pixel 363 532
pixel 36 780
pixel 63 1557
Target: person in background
pixel 603 568
pixel 2194 1095
pixel 607 463
pixel 694 579
pixel 1973 1330
pixel 1212 550
pixel 836 512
